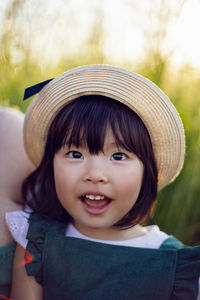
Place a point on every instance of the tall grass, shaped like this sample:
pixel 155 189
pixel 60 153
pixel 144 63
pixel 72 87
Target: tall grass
pixel 178 205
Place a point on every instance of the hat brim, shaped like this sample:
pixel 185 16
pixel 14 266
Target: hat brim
pixel 154 108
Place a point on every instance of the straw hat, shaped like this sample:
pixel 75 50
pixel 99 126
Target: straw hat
pixel 154 108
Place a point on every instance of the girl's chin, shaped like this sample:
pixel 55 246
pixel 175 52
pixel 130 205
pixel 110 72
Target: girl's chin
pixel 96 230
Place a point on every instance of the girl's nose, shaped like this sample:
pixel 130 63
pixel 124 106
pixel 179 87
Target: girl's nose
pixel 96 172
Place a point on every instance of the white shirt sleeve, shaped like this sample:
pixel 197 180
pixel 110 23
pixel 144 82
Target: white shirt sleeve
pixel 17 222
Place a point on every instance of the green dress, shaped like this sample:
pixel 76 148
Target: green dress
pixel 6 260
pixel 76 269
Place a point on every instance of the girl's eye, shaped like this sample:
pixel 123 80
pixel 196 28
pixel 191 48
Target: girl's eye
pixel 75 154
pixel 118 156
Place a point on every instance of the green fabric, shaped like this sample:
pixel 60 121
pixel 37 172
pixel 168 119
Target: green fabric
pixel 171 243
pixel 72 268
pixel 6 260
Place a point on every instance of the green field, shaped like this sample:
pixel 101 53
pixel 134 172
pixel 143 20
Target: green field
pixel 178 205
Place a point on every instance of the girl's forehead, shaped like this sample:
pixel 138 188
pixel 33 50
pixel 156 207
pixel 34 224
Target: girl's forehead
pixel 109 140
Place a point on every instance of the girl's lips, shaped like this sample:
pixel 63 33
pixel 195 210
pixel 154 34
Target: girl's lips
pixel 95 206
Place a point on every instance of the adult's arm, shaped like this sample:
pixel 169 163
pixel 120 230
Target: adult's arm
pixel 24 287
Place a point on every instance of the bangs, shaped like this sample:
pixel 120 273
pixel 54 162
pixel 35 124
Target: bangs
pixel 84 122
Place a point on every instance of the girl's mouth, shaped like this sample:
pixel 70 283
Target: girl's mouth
pixel 95 204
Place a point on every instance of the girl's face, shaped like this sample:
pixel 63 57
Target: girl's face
pixel 97 190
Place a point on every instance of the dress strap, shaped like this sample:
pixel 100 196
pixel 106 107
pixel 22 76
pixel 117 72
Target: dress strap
pixel 36 220
pixel 39 228
pixel 171 243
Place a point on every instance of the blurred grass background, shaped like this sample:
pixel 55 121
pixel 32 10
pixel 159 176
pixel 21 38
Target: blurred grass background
pixel 21 65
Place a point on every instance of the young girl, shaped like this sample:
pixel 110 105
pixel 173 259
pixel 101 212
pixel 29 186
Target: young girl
pixel 104 140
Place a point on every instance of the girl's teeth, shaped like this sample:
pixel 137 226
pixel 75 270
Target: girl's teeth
pixel 92 197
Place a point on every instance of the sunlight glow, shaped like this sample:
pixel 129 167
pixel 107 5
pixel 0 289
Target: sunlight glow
pixel 185 35
pixel 63 26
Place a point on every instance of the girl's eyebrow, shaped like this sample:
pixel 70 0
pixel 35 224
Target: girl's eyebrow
pixel 114 145
pixel 65 146
pixel 68 146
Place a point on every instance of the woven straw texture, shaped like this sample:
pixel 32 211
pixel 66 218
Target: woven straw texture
pixel 141 95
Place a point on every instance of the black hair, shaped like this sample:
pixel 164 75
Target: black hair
pixel 85 120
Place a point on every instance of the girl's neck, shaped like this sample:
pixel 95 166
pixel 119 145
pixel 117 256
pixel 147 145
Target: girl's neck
pixel 112 233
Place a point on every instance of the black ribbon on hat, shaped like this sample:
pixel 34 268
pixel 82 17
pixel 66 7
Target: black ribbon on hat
pixel 32 90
